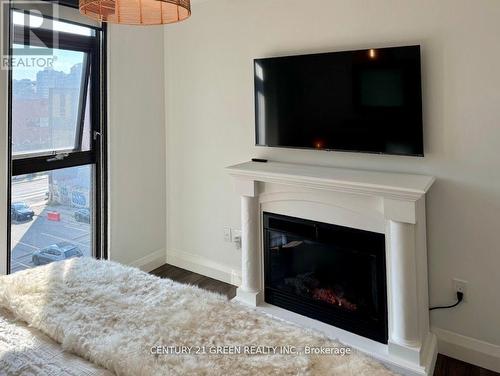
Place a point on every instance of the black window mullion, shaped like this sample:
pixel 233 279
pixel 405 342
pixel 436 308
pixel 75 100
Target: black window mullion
pixel 95 85
pixel 83 102
pixel 48 163
pixel 100 120
pixel 67 3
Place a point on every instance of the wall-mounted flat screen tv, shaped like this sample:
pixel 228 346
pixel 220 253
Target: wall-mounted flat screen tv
pixel 359 101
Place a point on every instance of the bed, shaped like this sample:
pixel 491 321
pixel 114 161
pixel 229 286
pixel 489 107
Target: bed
pixel 88 317
pixel 27 351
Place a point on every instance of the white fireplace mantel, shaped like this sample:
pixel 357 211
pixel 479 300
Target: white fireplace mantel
pixel 391 203
pixel 385 184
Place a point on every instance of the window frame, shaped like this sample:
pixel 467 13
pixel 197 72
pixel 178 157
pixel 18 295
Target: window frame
pixel 96 81
pixel 68 42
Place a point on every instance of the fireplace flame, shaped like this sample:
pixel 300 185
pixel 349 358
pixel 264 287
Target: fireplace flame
pixel 329 296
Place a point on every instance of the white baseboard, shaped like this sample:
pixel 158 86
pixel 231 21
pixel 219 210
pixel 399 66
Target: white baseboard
pixel 150 262
pixel 468 349
pixel 204 266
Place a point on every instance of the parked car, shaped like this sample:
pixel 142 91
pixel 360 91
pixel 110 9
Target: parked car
pixel 56 252
pixel 20 211
pixel 82 215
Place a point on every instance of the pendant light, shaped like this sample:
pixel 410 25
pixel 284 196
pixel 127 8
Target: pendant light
pixel 136 12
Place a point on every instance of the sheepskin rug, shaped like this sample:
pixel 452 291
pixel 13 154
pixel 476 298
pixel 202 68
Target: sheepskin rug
pixel 26 351
pixel 114 315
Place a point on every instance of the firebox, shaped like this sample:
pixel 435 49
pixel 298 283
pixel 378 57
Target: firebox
pixel 330 273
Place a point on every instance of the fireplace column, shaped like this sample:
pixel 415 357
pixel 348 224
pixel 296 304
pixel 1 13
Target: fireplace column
pixel 404 299
pixel 405 340
pixel 249 291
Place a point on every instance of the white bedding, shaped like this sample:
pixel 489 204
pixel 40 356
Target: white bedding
pixel 25 351
pixel 113 315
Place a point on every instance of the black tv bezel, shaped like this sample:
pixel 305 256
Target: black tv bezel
pixel 417 46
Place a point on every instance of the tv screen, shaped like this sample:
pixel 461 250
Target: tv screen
pixel 361 101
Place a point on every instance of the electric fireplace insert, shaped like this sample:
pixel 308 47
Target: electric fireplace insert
pixel 330 273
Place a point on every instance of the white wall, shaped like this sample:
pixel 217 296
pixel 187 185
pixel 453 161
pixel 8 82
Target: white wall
pixel 210 124
pixel 136 146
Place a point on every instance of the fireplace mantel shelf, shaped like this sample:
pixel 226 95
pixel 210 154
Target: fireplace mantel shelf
pixel 408 187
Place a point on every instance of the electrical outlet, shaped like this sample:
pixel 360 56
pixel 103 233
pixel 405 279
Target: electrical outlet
pixel 236 237
pixel 227 234
pixel 460 285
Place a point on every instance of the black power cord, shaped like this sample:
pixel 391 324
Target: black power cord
pixel 460 298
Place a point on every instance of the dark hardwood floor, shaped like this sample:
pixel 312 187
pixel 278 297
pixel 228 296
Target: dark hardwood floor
pixel 187 277
pixel 453 367
pixel 445 366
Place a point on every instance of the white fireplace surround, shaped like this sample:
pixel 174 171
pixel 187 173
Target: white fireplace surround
pixel 389 203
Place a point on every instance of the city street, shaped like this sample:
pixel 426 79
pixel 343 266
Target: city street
pixel 30 236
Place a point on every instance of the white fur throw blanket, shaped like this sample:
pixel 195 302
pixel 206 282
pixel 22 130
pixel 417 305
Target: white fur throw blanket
pixel 26 351
pixel 113 315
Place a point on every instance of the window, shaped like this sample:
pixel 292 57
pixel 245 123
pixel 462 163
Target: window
pixel 49 209
pixel 57 190
pixel 52 101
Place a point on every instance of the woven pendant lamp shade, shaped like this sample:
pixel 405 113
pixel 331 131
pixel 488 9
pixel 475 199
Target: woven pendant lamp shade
pixel 136 12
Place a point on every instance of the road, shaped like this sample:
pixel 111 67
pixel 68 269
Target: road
pixel 30 236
